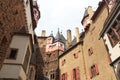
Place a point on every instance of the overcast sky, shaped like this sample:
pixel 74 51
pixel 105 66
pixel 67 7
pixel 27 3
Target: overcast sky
pixel 62 14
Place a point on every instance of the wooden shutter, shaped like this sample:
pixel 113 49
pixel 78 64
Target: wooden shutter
pixel 90 73
pixel 60 77
pixel 62 62
pixel 65 76
pixel 77 73
pixel 76 55
pixel 91 50
pixel 71 73
pixel 96 68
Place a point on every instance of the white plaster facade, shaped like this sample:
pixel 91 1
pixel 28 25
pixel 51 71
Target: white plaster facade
pixel 13 68
pixel 113 51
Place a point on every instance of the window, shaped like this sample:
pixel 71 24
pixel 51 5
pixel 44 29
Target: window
pixel 52 76
pixel 90 51
pixel 26 59
pixel 114 34
pixel 13 53
pixel 75 55
pixel 75 74
pixel 63 62
pixel 64 76
pixel 94 70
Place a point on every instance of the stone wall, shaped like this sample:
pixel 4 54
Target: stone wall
pixel 12 19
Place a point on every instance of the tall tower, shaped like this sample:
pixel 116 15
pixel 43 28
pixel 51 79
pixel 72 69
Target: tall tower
pixel 50 51
pixel 17 39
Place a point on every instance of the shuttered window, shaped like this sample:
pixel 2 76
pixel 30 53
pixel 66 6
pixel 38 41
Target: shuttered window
pixel 63 62
pixel 75 55
pixel 75 74
pixel 90 51
pixel 63 76
pixel 93 71
pixel 71 74
pixel 114 32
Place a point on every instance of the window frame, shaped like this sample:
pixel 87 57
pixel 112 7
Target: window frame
pixel 94 71
pixel 90 51
pixel 15 55
pixel 114 32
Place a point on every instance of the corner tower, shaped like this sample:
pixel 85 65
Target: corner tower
pixel 53 47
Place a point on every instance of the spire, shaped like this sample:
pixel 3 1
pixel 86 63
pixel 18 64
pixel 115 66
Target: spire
pixel 59 37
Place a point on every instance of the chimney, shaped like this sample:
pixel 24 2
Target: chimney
pixel 43 33
pixel 77 34
pixel 69 38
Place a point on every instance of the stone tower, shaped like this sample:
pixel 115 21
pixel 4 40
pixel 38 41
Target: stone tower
pixel 50 48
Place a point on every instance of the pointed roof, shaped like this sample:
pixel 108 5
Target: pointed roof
pixel 62 38
pixel 59 37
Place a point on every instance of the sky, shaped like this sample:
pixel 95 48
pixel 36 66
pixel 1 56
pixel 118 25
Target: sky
pixel 62 14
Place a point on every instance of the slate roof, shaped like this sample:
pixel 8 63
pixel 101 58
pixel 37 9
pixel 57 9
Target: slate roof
pixel 59 37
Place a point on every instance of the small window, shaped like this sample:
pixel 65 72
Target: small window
pixel 113 37
pixel 52 76
pixel 75 74
pixel 75 55
pixel 90 51
pixel 64 76
pixel 94 71
pixel 13 53
pixel 63 62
